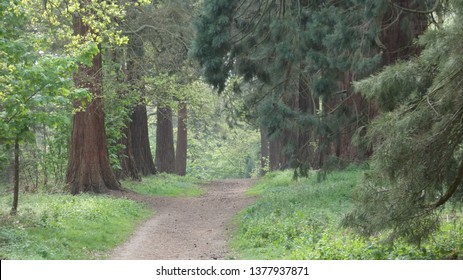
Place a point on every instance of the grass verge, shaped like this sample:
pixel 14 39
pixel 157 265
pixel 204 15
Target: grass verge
pixel 166 185
pixel 300 220
pixel 66 227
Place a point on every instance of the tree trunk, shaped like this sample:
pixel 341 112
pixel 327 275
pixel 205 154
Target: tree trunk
pixel 275 151
pixel 181 151
pixel 400 29
pixel 165 155
pixel 128 165
pixel 140 141
pixel 264 151
pixel 304 150
pixel 14 209
pixel 88 166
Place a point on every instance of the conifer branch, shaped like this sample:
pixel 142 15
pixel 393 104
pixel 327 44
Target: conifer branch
pixel 451 190
pixel 430 11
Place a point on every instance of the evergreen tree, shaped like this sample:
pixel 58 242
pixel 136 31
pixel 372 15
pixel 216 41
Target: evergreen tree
pixel 298 51
pixel 417 166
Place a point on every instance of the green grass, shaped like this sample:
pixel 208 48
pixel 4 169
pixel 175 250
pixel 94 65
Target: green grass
pixel 166 185
pixel 301 220
pixel 62 226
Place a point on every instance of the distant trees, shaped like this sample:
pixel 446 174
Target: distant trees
pixel 82 78
pixel 298 56
pixel 301 59
pixel 182 140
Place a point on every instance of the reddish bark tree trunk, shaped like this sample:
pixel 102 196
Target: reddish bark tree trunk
pixel 88 166
pixel 182 141
pixel 133 157
pixel 165 154
pixel 400 29
pixel 140 141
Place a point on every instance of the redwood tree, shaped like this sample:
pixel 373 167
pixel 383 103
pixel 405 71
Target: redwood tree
pixel 88 167
pixel 181 152
pixel 165 154
pixel 140 141
pixel 137 157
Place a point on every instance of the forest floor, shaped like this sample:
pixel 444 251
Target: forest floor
pixel 188 228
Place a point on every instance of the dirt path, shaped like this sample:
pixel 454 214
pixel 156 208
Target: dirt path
pixel 188 228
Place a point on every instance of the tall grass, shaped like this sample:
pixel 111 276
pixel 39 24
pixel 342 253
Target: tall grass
pixel 301 220
pixel 62 226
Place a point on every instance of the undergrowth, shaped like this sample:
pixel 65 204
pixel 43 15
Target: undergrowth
pixel 59 226
pixel 166 185
pixel 301 220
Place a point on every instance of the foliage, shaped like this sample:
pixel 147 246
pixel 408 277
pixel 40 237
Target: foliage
pixel 33 84
pixel 418 162
pixel 67 227
pixel 301 220
pixel 166 185
pixel 286 51
pixel 220 145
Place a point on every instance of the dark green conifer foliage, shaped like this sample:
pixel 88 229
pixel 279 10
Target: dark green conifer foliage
pixel 212 43
pixel 277 45
pixel 418 162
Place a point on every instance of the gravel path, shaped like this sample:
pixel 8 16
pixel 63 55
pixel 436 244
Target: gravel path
pixel 188 228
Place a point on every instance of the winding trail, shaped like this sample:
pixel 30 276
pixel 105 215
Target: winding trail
pixel 188 228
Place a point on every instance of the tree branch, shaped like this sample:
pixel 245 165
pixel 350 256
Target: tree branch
pixel 430 11
pixel 143 27
pixel 451 190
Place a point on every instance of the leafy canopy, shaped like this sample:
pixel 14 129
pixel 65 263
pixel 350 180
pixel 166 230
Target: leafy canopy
pixel 31 80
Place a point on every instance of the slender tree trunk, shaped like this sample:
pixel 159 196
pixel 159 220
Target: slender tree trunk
pixel 304 149
pixel 14 209
pixel 140 141
pixel 182 141
pixel 264 151
pixel 275 151
pixel 44 157
pixel 88 166
pixel 128 165
pixel 165 155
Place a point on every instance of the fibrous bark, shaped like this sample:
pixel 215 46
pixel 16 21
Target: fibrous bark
pixel 182 141
pixel 165 154
pixel 88 166
pixel 140 141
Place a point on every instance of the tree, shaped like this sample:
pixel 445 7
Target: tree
pixel 161 32
pixel 165 154
pixel 139 130
pixel 417 165
pixel 93 23
pixel 295 49
pixel 88 168
pixel 31 81
pixel 182 141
